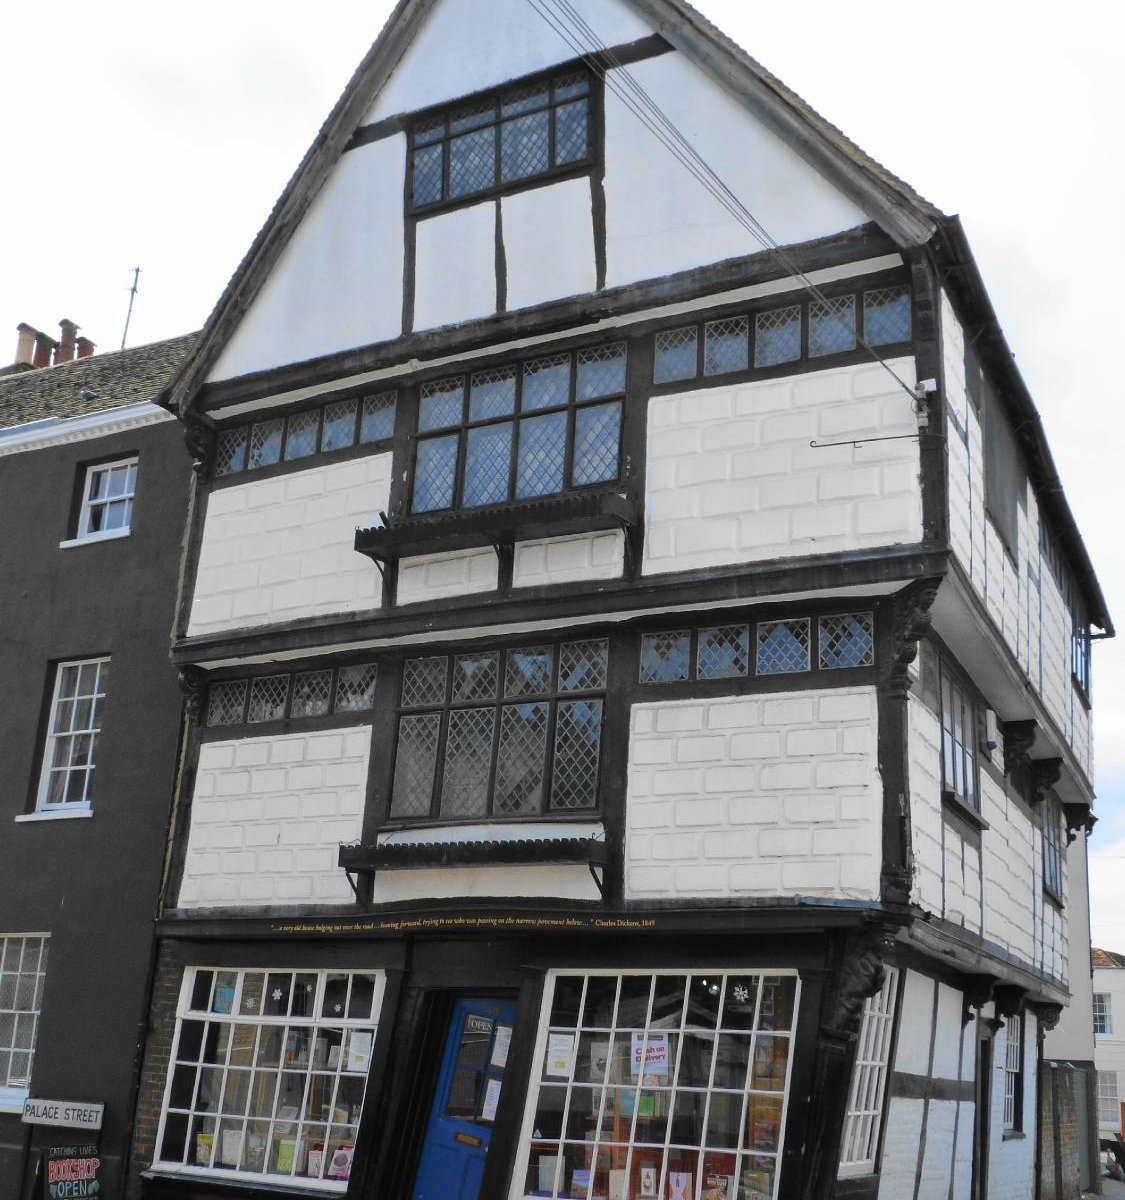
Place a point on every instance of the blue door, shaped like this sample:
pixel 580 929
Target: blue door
pixel 465 1099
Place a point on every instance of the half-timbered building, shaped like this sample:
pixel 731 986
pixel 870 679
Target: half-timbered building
pixel 637 651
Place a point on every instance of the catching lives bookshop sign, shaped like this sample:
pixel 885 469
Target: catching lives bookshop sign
pixel 72 1172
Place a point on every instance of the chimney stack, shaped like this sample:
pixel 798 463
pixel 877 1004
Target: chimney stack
pixel 66 347
pixel 44 347
pixel 25 345
pixel 85 347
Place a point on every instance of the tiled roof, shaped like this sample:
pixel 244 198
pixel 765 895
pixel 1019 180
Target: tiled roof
pixel 94 384
pixel 1106 958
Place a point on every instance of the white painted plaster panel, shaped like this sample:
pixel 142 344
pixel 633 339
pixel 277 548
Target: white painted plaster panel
pixel 937 1157
pixel 1011 853
pixel 963 1150
pixel 268 815
pixel 902 1141
pixel 283 548
pixel 1011 1161
pixel 731 477
pixel 569 559
pixel 1073 1037
pixel 442 576
pixel 549 243
pixel 558 881
pixel 926 825
pixel 947 1034
pixel 659 217
pixel 913 1055
pixel 770 795
pixel 463 49
pixel 338 283
pixel 455 266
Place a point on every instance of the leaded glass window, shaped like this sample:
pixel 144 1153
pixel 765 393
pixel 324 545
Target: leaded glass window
pixel 665 657
pixel 521 134
pixel 846 640
pixel 777 336
pixel 268 1074
pixel 660 1084
pixel 726 346
pixel 831 326
pixel 958 739
pixel 313 693
pixel 520 432
pixel 886 315
pixel 783 647
pixel 676 355
pixel 301 434
pixel 265 443
pixel 511 732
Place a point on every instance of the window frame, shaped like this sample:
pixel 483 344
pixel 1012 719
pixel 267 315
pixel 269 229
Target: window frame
pixel 1104 1096
pixel 962 694
pixel 43 806
pixel 13 1094
pixel 718 977
pixel 496 97
pixel 863 1126
pixel 1014 1074
pixel 1053 849
pixel 1104 1002
pixel 233 1017
pixel 87 505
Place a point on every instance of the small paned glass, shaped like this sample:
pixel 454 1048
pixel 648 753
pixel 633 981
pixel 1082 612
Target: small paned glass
pixel 312 694
pixel 440 404
pixel 886 316
pixel 377 420
pixel 665 656
pixel 546 383
pixel 492 394
pixel 424 681
pixel 726 346
pixel 601 372
pixel 300 434
pixel 831 326
pixel 541 458
pixel 355 688
pixel 435 471
pixel 226 702
pixel 230 456
pixel 268 694
pixel 723 652
pixel 783 647
pixel 472 162
pixel 265 443
pixel 676 355
pixel 597 437
pixel 338 430
pixel 846 641
pixel 777 336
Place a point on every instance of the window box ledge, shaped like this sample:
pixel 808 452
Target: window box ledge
pixel 92 539
pixel 366 859
pixel 953 803
pixel 553 516
pixel 161 1181
pixel 61 814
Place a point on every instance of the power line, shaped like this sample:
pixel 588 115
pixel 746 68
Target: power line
pixel 572 27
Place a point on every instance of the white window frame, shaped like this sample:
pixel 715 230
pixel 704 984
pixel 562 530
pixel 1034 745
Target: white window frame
pixel 718 978
pixel 60 742
pixel 1013 1073
pixel 863 1119
pixel 1108 1094
pixel 92 504
pixel 296 1127
pixel 23 1009
pixel 1103 1014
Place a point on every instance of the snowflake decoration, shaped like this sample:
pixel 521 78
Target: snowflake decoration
pixel 277 993
pixel 741 993
pixel 337 1008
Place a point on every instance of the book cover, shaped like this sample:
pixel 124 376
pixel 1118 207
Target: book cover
pixel 341 1165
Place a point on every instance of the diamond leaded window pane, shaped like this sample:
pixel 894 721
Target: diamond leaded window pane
pixel 525 146
pixel 472 116
pixel 665 656
pixel 312 694
pixel 265 443
pixel 338 432
pixel 726 346
pixel 472 162
pixel 524 99
pixel 476 676
pixel 546 383
pixel 230 456
pixel 226 702
pixel 468 762
pixel 831 326
pixel 597 436
pixel 676 355
pixel 578 734
pixel 492 394
pixel 434 473
pixel 520 758
pixel 423 681
pixel 528 671
pixel 488 465
pixel 440 404
pixel 300 435
pixel 268 694
pixel 542 455
pixel 569 86
pixel 427 185
pixel 355 688
pixel 846 641
pixel 886 315
pixel 783 647
pixel 777 336
pixel 377 420
pixel 415 765
pixel 601 372
pixel 723 652
pixel 583 666
pixel 571 138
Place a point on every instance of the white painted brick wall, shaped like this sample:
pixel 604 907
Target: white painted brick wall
pixel 1011 1161
pixel 731 477
pixel 937 1158
pixel 268 815
pixel 546 881
pixel 569 559
pixel 902 1138
pixel 283 548
pixel 754 796
pixel 442 576
pixel 1011 853
pixel 924 763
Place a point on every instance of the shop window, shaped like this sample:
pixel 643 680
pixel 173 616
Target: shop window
pixel 67 780
pixel 500 733
pixel 1013 1074
pixel 268 1073
pixel 23 970
pixel 660 1085
pixel 864 1118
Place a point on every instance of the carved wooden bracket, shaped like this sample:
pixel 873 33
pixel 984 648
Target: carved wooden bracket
pixel 912 621
pixel 861 976
pixel 193 684
pixel 1019 737
pixel 978 990
pixel 200 441
pixel 1078 816
pixel 1009 999
pixel 1046 1016
pixel 1045 773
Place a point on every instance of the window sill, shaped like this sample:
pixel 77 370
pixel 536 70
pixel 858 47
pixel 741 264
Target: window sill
pixel 12 1098
pixel 62 814
pixel 474 848
pixel 227 1183
pixel 93 538
pixel 1054 897
pixel 954 804
pixel 1013 1135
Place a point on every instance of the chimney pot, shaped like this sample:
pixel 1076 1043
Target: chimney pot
pixel 44 346
pixel 65 351
pixel 25 344
pixel 85 347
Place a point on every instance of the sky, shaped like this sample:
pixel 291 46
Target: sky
pixel 159 136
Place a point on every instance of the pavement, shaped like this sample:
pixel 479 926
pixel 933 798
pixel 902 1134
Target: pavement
pixel 1111 1187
